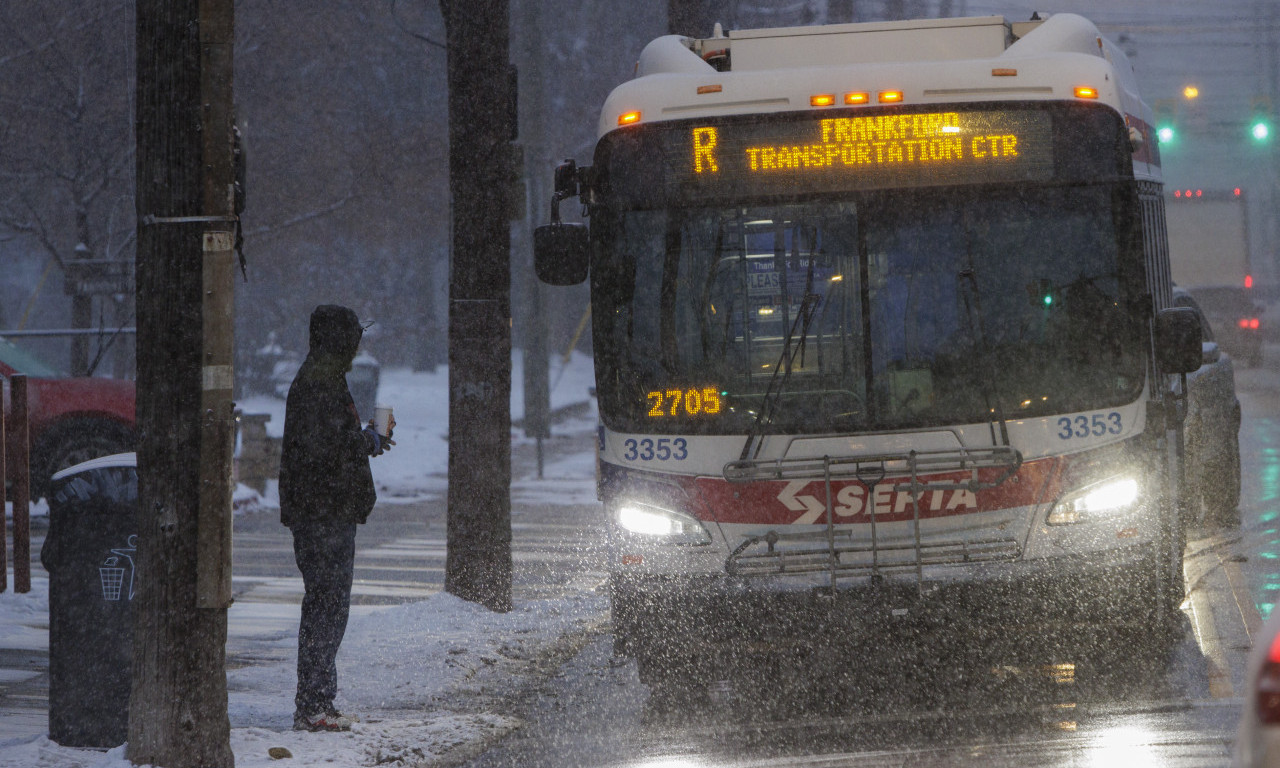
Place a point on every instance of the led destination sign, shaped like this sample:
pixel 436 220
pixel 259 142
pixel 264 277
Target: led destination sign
pixel 899 149
pixel 683 402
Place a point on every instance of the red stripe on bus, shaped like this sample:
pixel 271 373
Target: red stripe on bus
pixel 780 502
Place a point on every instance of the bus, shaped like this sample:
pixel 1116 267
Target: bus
pixel 882 328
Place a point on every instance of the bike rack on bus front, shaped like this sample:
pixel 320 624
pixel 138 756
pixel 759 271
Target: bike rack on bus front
pixel 872 469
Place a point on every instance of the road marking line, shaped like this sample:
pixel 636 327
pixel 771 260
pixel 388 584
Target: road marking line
pixel 1244 603
pixel 1217 668
pixel 1206 629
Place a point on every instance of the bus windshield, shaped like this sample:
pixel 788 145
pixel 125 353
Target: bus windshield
pixel 868 310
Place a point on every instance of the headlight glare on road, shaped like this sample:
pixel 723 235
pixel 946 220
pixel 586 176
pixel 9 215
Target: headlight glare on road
pixel 656 521
pixel 1109 496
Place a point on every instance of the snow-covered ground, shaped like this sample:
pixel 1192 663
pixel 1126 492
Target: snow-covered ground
pixel 417 675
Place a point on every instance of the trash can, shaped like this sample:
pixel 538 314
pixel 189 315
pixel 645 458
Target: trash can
pixel 362 380
pixel 90 552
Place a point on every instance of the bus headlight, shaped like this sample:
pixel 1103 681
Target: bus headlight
pixel 1112 495
pixel 648 520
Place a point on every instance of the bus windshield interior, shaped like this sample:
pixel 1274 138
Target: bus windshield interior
pixel 874 311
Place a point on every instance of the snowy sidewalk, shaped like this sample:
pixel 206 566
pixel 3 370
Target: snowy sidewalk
pixel 427 680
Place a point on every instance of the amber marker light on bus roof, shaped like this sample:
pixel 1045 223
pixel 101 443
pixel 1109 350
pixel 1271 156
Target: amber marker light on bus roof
pixel 1086 92
pixel 857 97
pixel 627 118
pixel 889 97
pixel 822 100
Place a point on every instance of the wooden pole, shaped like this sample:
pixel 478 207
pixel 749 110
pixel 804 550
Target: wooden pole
pixel 478 561
pixel 692 18
pixel 4 533
pixel 21 484
pixel 186 220
pixel 81 317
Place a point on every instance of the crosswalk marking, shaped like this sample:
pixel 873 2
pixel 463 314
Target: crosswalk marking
pixel 419 562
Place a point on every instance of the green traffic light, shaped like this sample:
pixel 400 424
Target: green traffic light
pixel 1165 134
pixel 1261 131
pixel 1048 300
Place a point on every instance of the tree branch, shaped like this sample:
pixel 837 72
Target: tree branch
pixel 300 218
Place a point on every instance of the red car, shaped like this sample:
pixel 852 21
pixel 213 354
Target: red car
pixel 71 419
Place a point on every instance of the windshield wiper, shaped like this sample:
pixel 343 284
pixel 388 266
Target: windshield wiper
pixel 982 350
pixel 782 371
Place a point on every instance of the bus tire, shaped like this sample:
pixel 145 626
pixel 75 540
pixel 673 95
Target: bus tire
pixel 670 671
pixel 1169 583
pixel 622 603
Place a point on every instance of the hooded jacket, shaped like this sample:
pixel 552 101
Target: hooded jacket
pixel 324 459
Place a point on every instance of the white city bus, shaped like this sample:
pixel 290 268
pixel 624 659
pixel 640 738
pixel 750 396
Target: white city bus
pixel 882 327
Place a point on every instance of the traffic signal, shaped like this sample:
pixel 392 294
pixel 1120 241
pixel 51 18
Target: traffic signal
pixel 1261 120
pixel 1166 117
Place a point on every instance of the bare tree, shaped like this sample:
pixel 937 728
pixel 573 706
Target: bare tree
pixel 66 143
pixel 344 121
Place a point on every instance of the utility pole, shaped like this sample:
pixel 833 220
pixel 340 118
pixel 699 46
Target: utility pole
pixel 478 562
pixel 691 18
pixel 81 317
pixel 186 232
pixel 535 171
pixel 841 11
pixel 1271 225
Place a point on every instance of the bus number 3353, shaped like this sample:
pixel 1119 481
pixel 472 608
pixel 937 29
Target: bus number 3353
pixel 662 449
pixel 1096 425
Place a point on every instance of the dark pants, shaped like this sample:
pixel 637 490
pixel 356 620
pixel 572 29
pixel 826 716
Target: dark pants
pixel 325 553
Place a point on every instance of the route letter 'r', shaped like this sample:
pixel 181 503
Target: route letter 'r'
pixel 704 144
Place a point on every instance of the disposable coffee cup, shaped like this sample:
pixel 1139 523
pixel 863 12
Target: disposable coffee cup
pixel 382 419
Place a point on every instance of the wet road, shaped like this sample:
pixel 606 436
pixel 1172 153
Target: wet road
pixel 597 714
pixel 1094 698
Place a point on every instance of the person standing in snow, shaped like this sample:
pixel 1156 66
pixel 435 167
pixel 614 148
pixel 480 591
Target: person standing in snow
pixel 326 490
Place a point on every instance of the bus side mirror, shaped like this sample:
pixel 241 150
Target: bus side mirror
pixel 566 180
pixel 560 253
pixel 1178 337
pixel 560 249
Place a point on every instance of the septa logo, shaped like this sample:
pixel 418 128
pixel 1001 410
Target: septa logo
pixel 851 501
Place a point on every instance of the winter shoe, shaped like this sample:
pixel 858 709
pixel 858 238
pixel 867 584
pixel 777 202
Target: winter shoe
pixel 321 721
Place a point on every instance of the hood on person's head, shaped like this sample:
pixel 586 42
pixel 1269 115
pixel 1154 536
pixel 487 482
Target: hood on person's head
pixel 335 330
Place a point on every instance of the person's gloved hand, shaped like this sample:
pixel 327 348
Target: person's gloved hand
pixel 374 439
